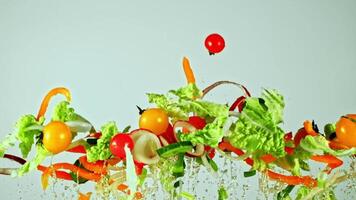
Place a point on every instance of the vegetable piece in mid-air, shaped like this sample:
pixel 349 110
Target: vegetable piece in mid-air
pixel 56 137
pixel 215 43
pixel 118 143
pixel 155 120
pixel 346 130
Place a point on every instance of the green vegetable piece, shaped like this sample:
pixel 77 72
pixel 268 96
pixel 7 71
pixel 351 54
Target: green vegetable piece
pixel 63 112
pixel 74 176
pixel 101 150
pixel 178 184
pixel 222 193
pixel 41 154
pixel 27 129
pixel 212 163
pixel 178 168
pixel 250 173
pixel 126 129
pixel 285 192
pixel 174 149
pixel 329 129
pixel 190 91
pixel 257 129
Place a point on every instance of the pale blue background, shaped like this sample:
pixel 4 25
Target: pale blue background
pixel 110 53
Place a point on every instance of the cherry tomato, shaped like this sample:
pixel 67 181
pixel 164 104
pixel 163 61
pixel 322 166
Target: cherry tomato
pixel 118 143
pixel 215 43
pixel 56 137
pixel 346 130
pixel 155 120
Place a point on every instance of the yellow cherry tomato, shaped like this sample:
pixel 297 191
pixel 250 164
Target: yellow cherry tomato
pixel 56 137
pixel 346 130
pixel 155 120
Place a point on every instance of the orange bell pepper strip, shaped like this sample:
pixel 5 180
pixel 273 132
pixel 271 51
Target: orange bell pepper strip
pixel 188 71
pixel 332 161
pixel 308 126
pixel 97 167
pixel 47 98
pixel 78 149
pixel 227 146
pixel 334 144
pixel 292 180
pixel 268 158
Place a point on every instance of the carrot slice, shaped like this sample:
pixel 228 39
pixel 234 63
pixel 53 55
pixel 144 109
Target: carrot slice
pixel 188 71
pixel 47 98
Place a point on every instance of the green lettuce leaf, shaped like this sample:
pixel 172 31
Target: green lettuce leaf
pixel 210 135
pixel 222 193
pixel 8 142
pixel 191 91
pixel 101 150
pixel 319 145
pixel 168 105
pixel 27 128
pixel 41 154
pixel 257 128
pixel 63 112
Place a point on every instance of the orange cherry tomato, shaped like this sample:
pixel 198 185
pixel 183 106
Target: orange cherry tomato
pixel 56 137
pixel 155 120
pixel 346 130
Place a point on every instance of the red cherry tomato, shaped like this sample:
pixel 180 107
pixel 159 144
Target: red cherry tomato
pixel 215 43
pixel 118 143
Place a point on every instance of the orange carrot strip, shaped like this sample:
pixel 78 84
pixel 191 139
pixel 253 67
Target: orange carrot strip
pixel 308 126
pixel 81 172
pixel 50 94
pixel 332 161
pixel 188 71
pixel 292 180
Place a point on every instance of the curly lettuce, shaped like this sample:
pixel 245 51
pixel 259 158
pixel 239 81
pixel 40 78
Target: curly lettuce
pixel 101 150
pixel 63 112
pixel 257 129
pixel 27 128
pixel 210 135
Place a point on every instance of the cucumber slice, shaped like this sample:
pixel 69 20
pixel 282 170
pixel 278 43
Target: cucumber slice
pixel 174 149
pixel 179 166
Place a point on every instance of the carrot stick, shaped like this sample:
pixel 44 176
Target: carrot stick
pixel 47 98
pixel 188 71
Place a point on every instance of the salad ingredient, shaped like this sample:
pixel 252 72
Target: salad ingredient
pixel 155 120
pixel 238 103
pixel 101 150
pixel 63 112
pixel 175 149
pixel 56 137
pixel 131 177
pixel 250 173
pixel 74 176
pixel 309 128
pixel 41 154
pixel 329 130
pixel 215 43
pixel 188 71
pixel 198 122
pixel 282 195
pixel 98 167
pixel 346 130
pixel 178 168
pixel 27 129
pixel 219 83
pixel 60 90
pixel 169 135
pixel 146 144
pixel 257 127
pixel 292 180
pixel 117 144
pixel 222 193
pixel 332 161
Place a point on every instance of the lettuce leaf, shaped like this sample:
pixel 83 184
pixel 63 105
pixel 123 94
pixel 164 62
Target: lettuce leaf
pixel 210 135
pixel 63 112
pixel 8 142
pixel 101 150
pixel 168 105
pixel 41 154
pixel 319 145
pixel 257 128
pixel 27 128
pixel 191 91
pixel 302 192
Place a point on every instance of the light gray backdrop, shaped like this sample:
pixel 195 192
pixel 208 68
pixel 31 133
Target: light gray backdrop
pixel 110 53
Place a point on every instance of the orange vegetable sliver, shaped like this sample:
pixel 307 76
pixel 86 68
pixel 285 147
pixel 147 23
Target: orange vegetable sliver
pixel 308 126
pixel 188 71
pixel 81 172
pixel 47 98
pixel 292 180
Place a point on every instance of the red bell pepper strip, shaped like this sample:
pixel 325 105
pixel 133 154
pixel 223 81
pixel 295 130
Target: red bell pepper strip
pixel 238 103
pixel 97 167
pixel 301 133
pixel 268 158
pixel 226 146
pixel 77 170
pixel 332 161
pixel 47 98
pixel 77 149
pixel 292 180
